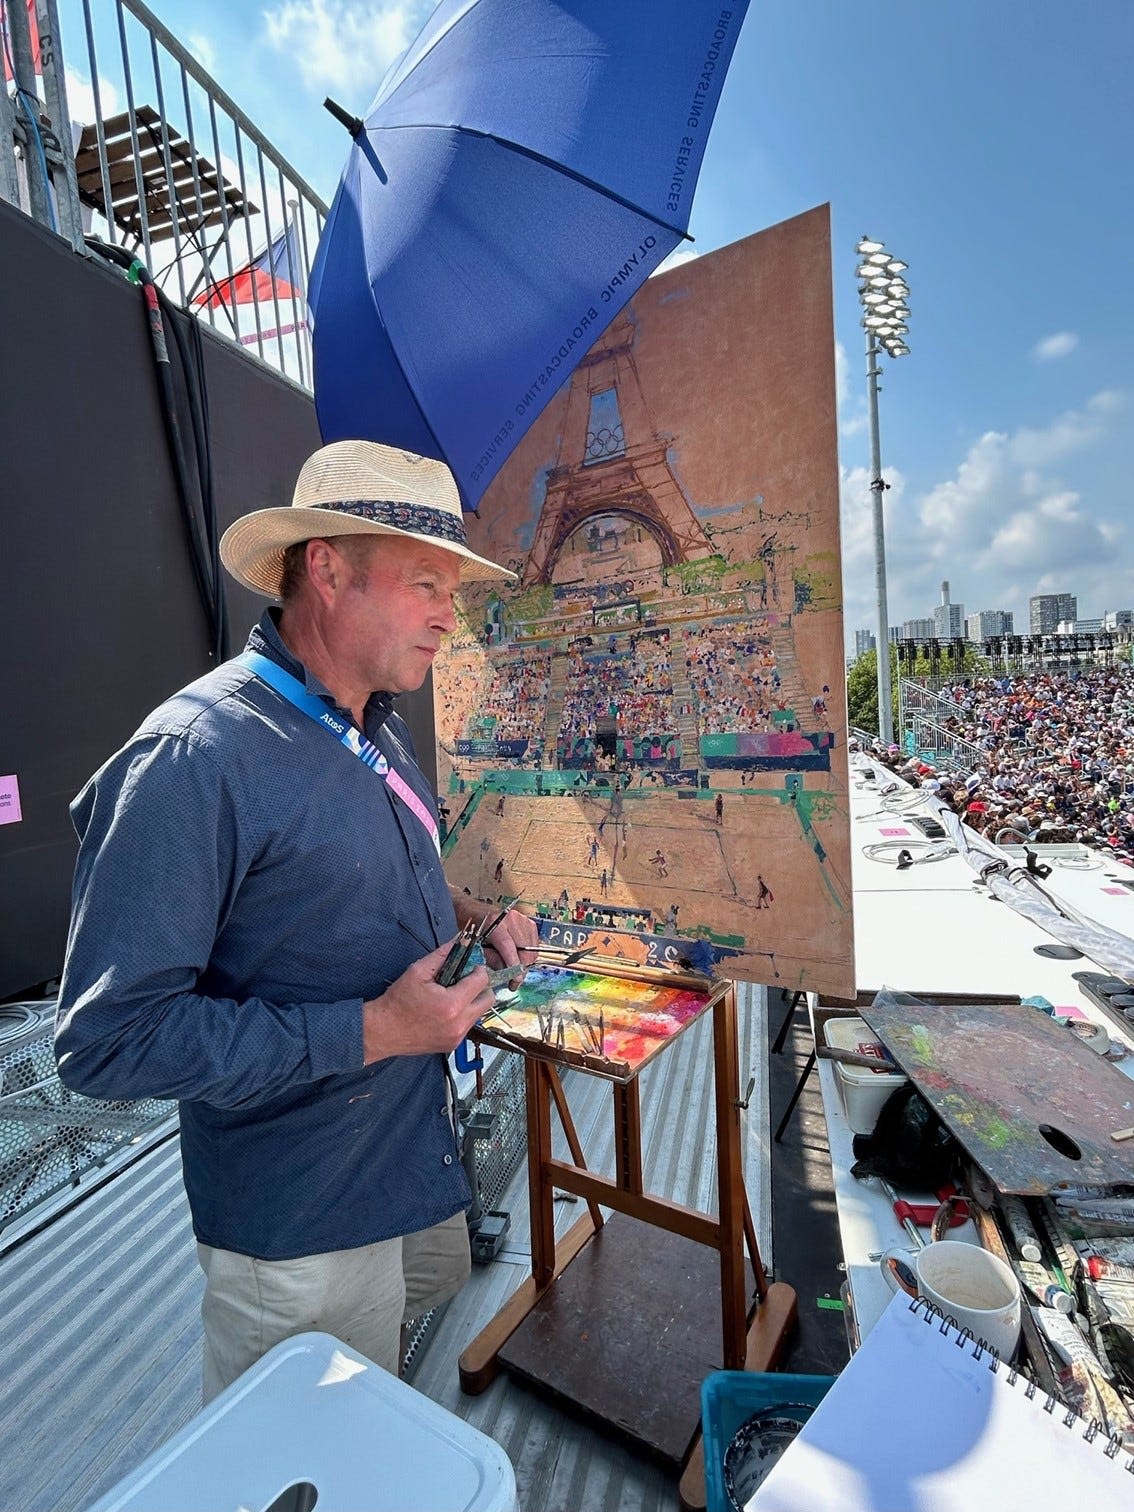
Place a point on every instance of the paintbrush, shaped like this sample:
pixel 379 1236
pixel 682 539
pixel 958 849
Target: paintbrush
pixel 483 931
pixel 852 1058
pixel 457 959
pixel 564 956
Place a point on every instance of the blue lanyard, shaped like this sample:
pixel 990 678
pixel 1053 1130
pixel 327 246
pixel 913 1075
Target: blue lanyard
pixel 345 733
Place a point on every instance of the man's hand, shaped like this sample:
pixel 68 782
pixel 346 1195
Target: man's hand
pixel 416 1016
pixel 514 940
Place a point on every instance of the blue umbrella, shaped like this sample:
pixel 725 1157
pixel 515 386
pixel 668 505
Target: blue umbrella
pixel 522 171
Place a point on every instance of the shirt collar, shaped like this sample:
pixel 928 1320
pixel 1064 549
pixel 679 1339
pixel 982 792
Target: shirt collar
pixel 265 637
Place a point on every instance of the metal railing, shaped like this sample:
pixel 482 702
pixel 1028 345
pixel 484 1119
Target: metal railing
pixel 52 1139
pixel 923 697
pixel 167 166
pixel 939 746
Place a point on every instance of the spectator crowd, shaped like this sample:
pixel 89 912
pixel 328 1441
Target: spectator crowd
pixel 1055 757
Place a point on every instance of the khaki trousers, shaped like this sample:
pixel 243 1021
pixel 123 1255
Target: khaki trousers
pixel 361 1296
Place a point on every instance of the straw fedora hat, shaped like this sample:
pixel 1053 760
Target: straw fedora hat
pixel 354 488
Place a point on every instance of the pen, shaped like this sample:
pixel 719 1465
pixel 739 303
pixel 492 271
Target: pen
pixel 903 1212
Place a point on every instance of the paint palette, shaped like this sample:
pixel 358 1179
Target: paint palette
pixel 1022 1094
pixel 610 1025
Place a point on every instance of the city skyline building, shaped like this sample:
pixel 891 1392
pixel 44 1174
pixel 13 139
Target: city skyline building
pixel 986 624
pixel 948 618
pixel 1046 610
pixel 1047 614
pixel 918 629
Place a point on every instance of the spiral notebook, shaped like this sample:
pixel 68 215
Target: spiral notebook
pixel 922 1420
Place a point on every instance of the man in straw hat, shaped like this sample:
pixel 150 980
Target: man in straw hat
pixel 260 914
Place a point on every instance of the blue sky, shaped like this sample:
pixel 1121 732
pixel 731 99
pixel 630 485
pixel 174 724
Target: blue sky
pixel 987 143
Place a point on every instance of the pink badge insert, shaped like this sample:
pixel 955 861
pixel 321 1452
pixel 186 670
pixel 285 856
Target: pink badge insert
pixel 10 811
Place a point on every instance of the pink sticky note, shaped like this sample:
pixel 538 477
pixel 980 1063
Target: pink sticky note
pixel 1115 892
pixel 10 812
pixel 893 831
pixel 1069 1011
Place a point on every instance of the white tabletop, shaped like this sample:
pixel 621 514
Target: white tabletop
pixel 955 942
pixel 867 1225
pixel 930 930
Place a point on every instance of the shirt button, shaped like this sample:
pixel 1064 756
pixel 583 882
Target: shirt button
pixel 448 1160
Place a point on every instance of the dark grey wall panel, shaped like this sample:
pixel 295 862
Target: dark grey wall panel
pixel 99 612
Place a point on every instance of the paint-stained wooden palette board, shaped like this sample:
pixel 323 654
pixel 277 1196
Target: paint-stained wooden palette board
pixel 610 1025
pixel 1032 1104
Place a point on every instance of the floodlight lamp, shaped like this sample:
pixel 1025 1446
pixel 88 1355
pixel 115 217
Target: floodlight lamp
pixel 866 245
pixel 895 265
pixel 873 297
pixel 898 286
pixel 882 260
pixel 897 348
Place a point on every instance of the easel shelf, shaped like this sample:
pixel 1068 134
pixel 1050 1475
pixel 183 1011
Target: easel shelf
pixel 625 1318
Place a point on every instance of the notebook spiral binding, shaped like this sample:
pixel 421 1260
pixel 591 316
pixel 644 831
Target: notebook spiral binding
pixel 948 1326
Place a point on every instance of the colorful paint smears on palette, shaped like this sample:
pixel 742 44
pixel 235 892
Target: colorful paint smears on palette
pixel 611 1025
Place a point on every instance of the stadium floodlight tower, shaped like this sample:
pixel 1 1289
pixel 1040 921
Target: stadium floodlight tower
pixel 882 292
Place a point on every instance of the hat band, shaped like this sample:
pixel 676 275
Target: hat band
pixel 416 517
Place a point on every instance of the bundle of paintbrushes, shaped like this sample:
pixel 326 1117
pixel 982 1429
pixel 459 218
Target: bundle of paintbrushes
pixel 467 951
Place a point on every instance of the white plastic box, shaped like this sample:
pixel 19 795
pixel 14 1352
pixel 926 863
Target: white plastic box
pixel 862 1090
pixel 314 1425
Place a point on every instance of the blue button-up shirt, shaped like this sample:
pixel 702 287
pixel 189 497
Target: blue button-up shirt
pixel 244 883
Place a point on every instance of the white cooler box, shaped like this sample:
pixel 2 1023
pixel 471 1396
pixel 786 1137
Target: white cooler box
pixel 862 1091
pixel 314 1425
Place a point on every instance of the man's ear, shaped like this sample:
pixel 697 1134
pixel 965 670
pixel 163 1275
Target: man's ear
pixel 326 569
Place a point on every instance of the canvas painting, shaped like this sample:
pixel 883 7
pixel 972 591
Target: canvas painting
pixel 644 737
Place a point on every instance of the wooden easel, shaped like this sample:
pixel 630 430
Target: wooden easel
pixel 544 1331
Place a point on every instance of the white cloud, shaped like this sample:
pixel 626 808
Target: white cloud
pixel 1061 344
pixel 1004 526
pixel 1106 402
pixel 851 407
pixel 203 51
pixel 856 507
pixel 80 97
pixel 342 44
pixel 682 253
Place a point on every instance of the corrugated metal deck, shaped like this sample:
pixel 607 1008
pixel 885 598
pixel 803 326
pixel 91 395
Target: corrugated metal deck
pixel 100 1353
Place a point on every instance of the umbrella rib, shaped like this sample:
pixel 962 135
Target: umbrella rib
pixel 546 162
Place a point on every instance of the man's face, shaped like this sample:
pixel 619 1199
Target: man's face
pixel 392 616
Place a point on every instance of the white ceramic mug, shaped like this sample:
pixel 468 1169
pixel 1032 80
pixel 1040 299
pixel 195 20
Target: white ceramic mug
pixel 974 1287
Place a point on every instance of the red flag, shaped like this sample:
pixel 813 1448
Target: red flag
pixel 33 28
pixel 277 272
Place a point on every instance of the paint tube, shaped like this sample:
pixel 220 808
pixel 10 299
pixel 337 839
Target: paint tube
pixel 1048 1224
pixel 1020 1226
pixel 1068 1343
pixel 1118 1299
pixel 1099 1268
pixel 1038 1281
pixel 1102 1212
pixel 1068 1194
pixel 1120 1249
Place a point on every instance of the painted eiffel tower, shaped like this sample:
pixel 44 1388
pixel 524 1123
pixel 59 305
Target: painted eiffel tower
pixel 618 464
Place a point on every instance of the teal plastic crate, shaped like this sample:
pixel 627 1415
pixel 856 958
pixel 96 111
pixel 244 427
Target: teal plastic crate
pixel 729 1398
